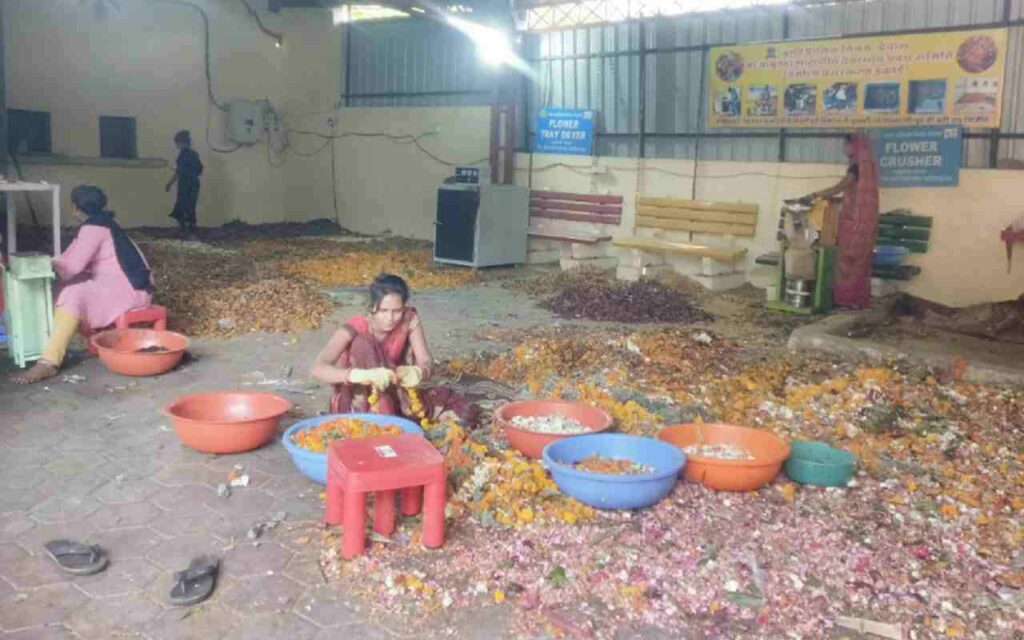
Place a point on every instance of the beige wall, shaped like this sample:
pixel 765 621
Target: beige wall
pixel 391 186
pixel 965 264
pixel 966 261
pixel 145 60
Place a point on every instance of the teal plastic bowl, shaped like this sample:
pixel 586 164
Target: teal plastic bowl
pixel 819 464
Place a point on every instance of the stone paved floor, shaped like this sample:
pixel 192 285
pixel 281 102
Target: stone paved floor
pixel 92 458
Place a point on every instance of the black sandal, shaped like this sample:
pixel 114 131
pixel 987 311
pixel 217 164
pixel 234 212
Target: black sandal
pixel 77 558
pixel 196 583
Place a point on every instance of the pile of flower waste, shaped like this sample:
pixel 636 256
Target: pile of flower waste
pixel 359 265
pixel 642 301
pixel 497 487
pixel 318 438
pixel 276 305
pixel 274 284
pixel 926 542
pixel 220 293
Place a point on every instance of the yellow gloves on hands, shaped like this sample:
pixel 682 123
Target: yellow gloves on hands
pixel 379 379
pixel 409 377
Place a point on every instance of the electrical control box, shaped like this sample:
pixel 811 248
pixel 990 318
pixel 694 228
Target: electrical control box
pixel 247 120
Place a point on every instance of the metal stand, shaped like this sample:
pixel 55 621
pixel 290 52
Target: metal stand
pixel 821 300
pixel 9 188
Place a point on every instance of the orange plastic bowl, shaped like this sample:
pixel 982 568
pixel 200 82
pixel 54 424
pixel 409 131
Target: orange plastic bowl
pixel 122 350
pixel 769 452
pixel 530 443
pixel 227 421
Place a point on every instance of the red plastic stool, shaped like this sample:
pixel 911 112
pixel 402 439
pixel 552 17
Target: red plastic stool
pixel 383 465
pixel 154 314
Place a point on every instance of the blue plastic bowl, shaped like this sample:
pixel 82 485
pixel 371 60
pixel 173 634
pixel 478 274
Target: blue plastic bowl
pixel 611 491
pixel 314 465
pixel 889 256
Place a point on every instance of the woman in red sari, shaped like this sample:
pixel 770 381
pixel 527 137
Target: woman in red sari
pixel 383 355
pixel 858 224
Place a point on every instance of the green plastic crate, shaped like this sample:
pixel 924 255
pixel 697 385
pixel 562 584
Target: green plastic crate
pixel 28 314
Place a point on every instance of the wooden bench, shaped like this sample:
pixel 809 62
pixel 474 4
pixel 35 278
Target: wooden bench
pixel 662 215
pixel 590 217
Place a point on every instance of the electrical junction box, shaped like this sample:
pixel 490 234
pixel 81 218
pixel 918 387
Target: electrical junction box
pixel 247 120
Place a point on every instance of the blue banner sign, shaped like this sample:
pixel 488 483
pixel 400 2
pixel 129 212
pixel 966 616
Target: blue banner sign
pixel 919 156
pixel 569 131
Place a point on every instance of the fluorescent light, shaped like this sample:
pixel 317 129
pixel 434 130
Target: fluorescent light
pixel 492 45
pixel 359 12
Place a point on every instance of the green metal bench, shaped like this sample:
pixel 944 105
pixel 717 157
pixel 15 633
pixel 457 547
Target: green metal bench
pixel 901 228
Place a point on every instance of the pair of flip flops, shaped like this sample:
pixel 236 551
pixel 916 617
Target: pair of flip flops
pixel 191 586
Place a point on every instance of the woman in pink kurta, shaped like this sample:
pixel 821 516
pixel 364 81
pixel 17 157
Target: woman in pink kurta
pixel 93 285
pixel 102 274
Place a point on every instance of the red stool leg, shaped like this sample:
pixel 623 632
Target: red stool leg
pixel 412 500
pixel 160 321
pixel 87 334
pixel 334 501
pixel 433 515
pixel 384 513
pixel 353 518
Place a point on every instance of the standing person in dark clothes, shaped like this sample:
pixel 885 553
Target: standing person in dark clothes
pixel 186 174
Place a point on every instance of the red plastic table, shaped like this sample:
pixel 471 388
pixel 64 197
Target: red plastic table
pixel 383 465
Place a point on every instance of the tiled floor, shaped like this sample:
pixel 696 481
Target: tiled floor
pixel 96 460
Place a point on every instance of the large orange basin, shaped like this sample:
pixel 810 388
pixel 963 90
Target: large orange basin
pixel 227 421
pixel 769 452
pixel 531 443
pixel 140 352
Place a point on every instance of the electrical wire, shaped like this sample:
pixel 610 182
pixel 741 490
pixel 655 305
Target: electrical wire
pixel 209 142
pixel 400 139
pixel 206 46
pixel 270 154
pixel 259 23
pixel 404 138
pixel 207 71
pixel 310 154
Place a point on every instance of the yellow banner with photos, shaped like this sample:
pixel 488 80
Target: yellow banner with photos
pixel 883 81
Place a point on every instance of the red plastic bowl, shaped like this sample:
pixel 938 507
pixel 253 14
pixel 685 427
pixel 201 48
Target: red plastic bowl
pixel 769 452
pixel 530 443
pixel 120 350
pixel 227 421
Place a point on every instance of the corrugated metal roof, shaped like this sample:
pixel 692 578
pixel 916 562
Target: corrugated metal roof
pixel 413 55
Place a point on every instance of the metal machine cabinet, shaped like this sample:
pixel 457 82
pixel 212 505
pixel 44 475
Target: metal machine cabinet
pixel 481 225
pixel 28 306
